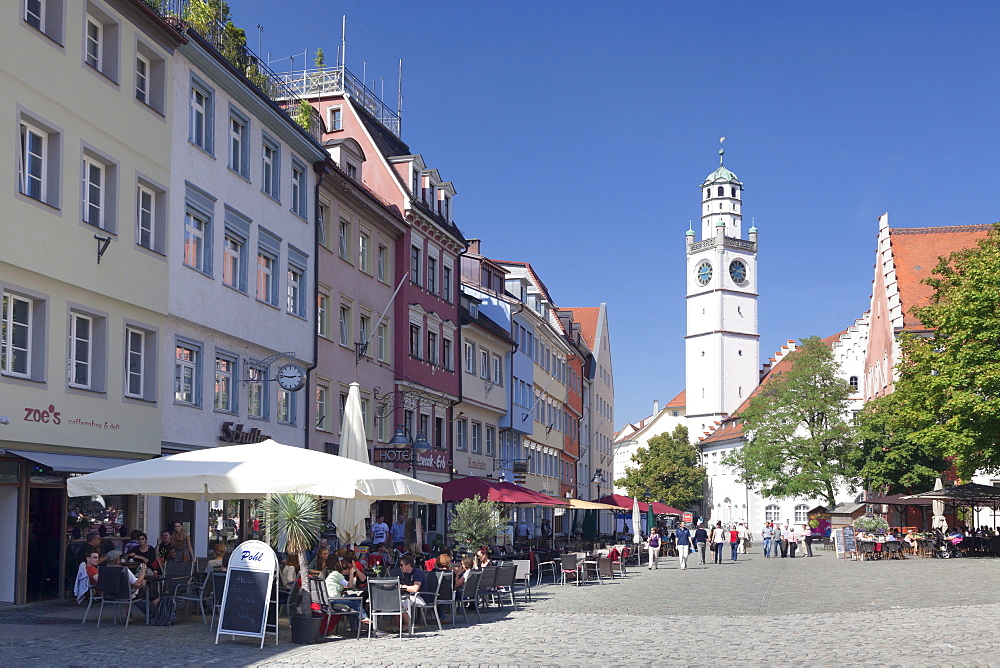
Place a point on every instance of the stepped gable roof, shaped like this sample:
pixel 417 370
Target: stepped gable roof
pixel 587 317
pixel 915 253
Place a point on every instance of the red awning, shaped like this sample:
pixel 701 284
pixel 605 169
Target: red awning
pixel 492 490
pixel 625 503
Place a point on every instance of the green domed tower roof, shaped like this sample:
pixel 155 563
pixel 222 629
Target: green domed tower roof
pixel 721 175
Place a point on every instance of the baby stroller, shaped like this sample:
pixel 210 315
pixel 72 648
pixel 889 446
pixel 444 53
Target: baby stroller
pixel 948 548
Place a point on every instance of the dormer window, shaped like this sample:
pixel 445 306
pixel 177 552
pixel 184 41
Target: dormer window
pixel 416 182
pixel 446 208
pixel 334 119
pixel 352 171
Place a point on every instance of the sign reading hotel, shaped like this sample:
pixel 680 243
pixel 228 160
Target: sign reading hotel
pixel 438 461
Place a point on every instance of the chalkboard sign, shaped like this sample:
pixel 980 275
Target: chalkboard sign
pixel 247 593
pixel 850 544
pixel 838 542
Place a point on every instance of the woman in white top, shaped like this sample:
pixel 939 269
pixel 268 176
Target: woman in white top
pixel 718 538
pixel 793 541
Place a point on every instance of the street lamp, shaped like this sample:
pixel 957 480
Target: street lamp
pixel 403 438
pixel 598 479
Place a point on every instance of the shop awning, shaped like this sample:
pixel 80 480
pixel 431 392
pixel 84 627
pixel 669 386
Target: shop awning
pixel 491 490
pixel 626 503
pixel 61 463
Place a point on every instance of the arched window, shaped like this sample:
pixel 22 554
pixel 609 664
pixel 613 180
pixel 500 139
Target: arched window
pixel 800 513
pixel 772 513
pixel 854 382
pixel 733 190
pixel 708 193
pixel 722 191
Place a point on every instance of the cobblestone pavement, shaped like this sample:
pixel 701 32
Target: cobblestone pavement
pixel 818 611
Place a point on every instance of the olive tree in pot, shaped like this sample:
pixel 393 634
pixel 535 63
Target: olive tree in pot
pixel 295 521
pixel 475 522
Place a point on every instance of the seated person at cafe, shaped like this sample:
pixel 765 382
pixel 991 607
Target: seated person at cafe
pixel 143 552
pixel 412 581
pixel 350 556
pixel 165 556
pixel 133 540
pixel 218 555
pixel 482 559
pixel 290 570
pixel 460 571
pixel 318 565
pixel 93 542
pixel 343 575
pixel 442 563
pixel 164 543
pixel 92 573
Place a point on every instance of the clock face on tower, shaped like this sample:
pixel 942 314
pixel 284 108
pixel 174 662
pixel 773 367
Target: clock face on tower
pixel 738 272
pixel 704 273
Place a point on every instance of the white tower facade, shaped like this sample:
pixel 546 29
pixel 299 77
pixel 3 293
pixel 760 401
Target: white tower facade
pixel 722 347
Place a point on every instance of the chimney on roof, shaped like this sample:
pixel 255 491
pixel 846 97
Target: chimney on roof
pixel 656 406
pixel 474 246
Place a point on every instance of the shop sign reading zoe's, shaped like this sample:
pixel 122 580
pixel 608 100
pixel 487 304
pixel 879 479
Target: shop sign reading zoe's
pixel 52 416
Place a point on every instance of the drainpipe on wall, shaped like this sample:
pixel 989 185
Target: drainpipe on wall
pixel 320 169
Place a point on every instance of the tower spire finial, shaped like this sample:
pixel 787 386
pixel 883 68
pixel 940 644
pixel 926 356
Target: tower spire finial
pixel 722 151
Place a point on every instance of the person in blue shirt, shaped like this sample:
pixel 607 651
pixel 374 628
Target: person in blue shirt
pixel 683 544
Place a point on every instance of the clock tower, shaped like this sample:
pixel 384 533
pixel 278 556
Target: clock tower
pixel 722 348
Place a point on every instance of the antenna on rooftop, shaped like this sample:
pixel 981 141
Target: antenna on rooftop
pixel 343 41
pixel 399 97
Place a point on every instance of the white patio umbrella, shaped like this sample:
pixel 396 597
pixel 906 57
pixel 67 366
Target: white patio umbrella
pixel 636 521
pixel 937 506
pixel 349 515
pixel 252 471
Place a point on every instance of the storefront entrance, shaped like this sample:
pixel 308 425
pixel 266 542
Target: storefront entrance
pixel 45 522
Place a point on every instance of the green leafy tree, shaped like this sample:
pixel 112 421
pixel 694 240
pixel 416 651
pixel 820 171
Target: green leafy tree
pixel 304 115
pixel 320 58
pixel 668 469
pixel 949 377
pixel 475 522
pixel 888 458
pixel 800 441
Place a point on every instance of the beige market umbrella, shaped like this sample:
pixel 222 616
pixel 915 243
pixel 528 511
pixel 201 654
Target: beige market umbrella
pixel 252 471
pixel 349 516
pixel 937 505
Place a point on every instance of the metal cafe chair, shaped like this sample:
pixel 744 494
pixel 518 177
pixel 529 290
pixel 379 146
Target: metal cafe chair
pixel 385 600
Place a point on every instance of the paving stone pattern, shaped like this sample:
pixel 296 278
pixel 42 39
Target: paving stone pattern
pixel 818 611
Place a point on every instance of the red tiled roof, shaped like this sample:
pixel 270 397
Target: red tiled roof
pixel 915 253
pixel 587 317
pixel 679 400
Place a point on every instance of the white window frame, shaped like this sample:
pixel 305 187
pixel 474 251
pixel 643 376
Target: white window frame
pixel 266 265
pixel 462 434
pixel 143 70
pixel 432 347
pixel 135 375
pixel 187 369
pixel 298 189
pixel 383 341
pixel 257 396
pixel 497 370
pixel 446 283
pixel 8 351
pixel 364 252
pixel 145 216
pixel 477 438
pixel 29 156
pixel 201 101
pixel 447 354
pixel 239 131
pixel 296 284
pixel 323 315
pixel 94 43
pixel 270 168
pixel 285 408
pixel 801 514
pixel 382 262
pixel 470 358
pixel 34 14
pixel 81 351
pixel 344 318
pixel 224 401
pixel 432 283
pixel 198 237
pixel 772 513
pixel 364 329
pixel 334 118
pixel 344 240
pixel 233 249
pixel 416 339
pixel 94 210
pixel 323 422
pixel 484 364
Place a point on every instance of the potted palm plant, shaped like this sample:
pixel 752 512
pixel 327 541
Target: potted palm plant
pixel 295 521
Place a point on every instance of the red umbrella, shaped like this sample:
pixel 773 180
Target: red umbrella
pixel 626 503
pixel 491 490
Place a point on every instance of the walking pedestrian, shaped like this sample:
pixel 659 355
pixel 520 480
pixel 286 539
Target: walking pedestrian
pixel 780 535
pixel 683 537
pixel 807 539
pixel 734 540
pixel 744 537
pixel 767 534
pixel 653 544
pixel 793 542
pixel 718 539
pixel 700 539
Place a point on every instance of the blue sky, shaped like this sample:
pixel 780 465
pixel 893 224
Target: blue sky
pixel 577 134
